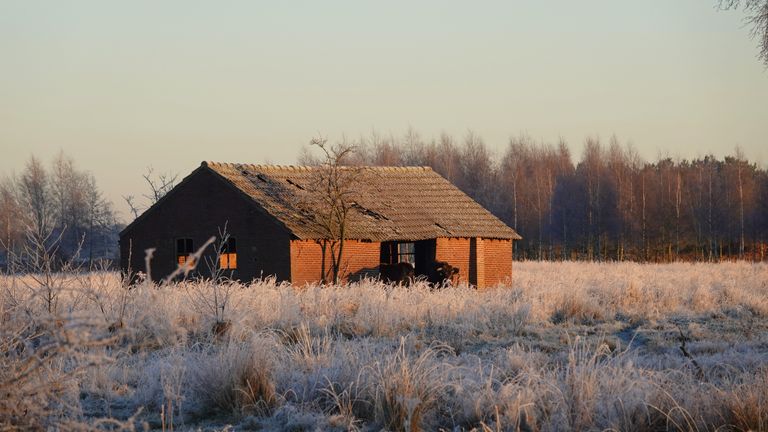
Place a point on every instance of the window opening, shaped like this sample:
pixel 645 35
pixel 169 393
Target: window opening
pixel 397 252
pixel 406 252
pixel 184 250
pixel 228 254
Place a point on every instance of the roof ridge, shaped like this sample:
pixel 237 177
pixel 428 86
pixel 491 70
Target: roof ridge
pixel 214 164
pixel 415 202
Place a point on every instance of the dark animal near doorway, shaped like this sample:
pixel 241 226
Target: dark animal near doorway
pixel 442 273
pixel 398 273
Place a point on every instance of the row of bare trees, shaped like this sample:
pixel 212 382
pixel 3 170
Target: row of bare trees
pixel 609 205
pixel 58 207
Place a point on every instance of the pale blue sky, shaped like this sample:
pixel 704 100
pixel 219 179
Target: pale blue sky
pixel 123 85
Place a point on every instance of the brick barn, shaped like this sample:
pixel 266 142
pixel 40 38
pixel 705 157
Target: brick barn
pixel 402 214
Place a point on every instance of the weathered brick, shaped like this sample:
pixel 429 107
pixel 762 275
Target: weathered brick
pixel 360 259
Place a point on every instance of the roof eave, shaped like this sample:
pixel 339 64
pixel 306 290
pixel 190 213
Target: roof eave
pixel 252 201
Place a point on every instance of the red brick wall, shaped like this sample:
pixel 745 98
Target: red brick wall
pixel 360 259
pixel 455 251
pixel 481 262
pixel 498 261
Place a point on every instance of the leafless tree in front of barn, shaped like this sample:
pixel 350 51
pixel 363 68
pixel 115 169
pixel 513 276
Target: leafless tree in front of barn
pixel 332 200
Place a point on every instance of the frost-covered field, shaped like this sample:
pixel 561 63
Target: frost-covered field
pixel 569 346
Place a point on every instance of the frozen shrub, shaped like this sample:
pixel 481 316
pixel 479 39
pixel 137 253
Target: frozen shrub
pixel 346 404
pixel 406 388
pixel 235 378
pixel 579 384
pixel 42 366
pixel 345 382
pixel 306 351
pixel 149 391
pixel 489 400
pixel 159 320
pixel 578 309
pixel 602 389
pixel 746 405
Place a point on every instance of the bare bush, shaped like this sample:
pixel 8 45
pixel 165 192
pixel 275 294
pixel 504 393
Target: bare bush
pixel 43 364
pixel 237 378
pixel 406 388
pixel 212 299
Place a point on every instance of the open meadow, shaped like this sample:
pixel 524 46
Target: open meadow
pixel 568 346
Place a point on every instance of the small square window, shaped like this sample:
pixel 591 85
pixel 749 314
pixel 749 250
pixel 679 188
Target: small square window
pixel 228 255
pixel 406 252
pixel 184 250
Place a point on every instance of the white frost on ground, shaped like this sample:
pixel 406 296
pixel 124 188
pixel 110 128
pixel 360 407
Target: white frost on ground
pixel 568 346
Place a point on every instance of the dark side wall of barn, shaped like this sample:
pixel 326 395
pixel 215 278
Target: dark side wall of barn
pixel 196 210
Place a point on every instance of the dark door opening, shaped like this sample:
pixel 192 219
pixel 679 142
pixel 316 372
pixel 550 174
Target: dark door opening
pixel 420 254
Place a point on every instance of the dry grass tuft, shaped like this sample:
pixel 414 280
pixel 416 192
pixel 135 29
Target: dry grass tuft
pixel 406 388
pixel 746 405
pixel 238 378
pixel 579 310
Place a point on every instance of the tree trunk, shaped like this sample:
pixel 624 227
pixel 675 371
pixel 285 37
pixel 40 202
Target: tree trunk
pixel 741 213
pixel 645 234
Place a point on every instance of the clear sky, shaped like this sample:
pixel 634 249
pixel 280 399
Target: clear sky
pixel 123 85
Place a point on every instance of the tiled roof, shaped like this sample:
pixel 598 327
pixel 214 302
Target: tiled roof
pixel 391 203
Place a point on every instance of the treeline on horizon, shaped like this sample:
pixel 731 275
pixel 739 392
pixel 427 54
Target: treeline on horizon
pixel 55 211
pixel 608 205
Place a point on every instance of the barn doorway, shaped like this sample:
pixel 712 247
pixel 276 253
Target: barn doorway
pixel 420 254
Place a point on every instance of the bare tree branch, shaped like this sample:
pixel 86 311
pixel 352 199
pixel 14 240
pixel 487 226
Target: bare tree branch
pixel 757 18
pixel 159 184
pixel 331 199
